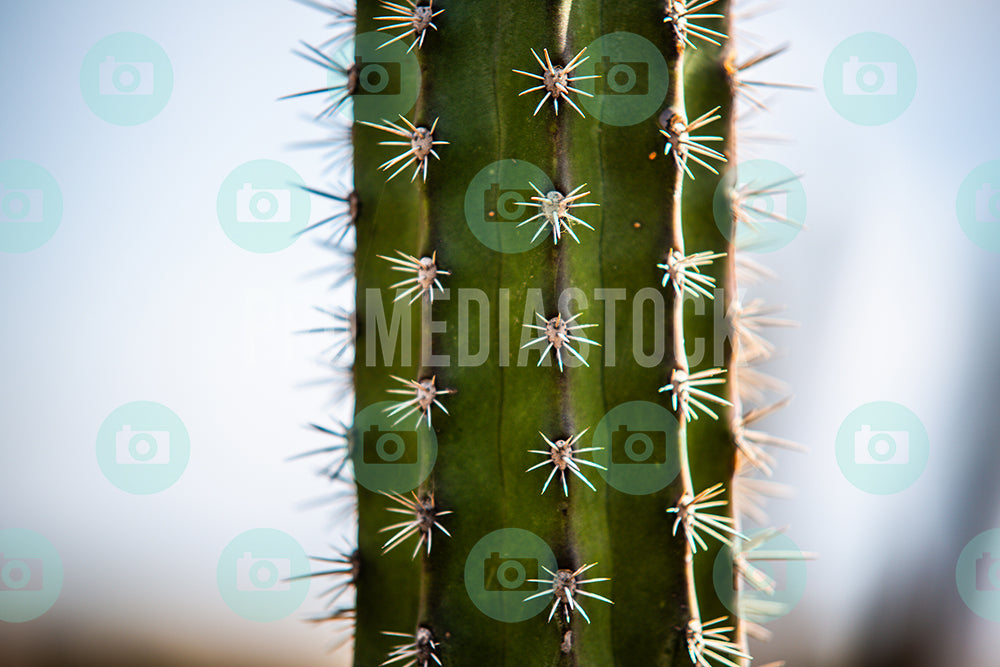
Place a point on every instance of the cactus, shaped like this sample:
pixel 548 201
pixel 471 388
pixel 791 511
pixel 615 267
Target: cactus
pixel 602 310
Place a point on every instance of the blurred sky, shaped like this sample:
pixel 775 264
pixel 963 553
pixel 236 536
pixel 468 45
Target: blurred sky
pixel 140 296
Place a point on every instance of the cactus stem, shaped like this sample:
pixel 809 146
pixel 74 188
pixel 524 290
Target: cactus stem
pixel 420 144
pixel 425 397
pixel 554 209
pixel 684 145
pixel 556 81
pixel 685 273
pixel 706 641
pixel 566 585
pixel 681 15
pixel 426 279
pixel 562 456
pixel 687 394
pixel 691 513
pixel 423 519
pixel 414 17
pixel 420 650
pixel 559 333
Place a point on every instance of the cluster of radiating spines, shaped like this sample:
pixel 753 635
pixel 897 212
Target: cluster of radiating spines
pixel 420 649
pixel 566 585
pixel 559 334
pixel 709 641
pixel 344 216
pixel 343 82
pixel 557 81
pixel 695 514
pixel 684 145
pixel 563 456
pixel 339 449
pixel 747 89
pixel 683 272
pixel 423 396
pixel 343 329
pixel 746 206
pixel 554 211
pixel 419 143
pixel 424 280
pixel 413 18
pixel 422 516
pixel 687 392
pixel 343 17
pixel 682 15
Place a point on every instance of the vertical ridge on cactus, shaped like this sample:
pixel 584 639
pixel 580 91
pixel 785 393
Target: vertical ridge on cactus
pixel 652 238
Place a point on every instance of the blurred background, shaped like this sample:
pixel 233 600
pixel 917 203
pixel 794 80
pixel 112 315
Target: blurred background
pixel 140 295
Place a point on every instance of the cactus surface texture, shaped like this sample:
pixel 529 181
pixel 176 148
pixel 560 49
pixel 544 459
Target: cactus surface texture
pixel 551 366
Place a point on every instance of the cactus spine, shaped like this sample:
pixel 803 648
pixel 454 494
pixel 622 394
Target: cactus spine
pixel 631 226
